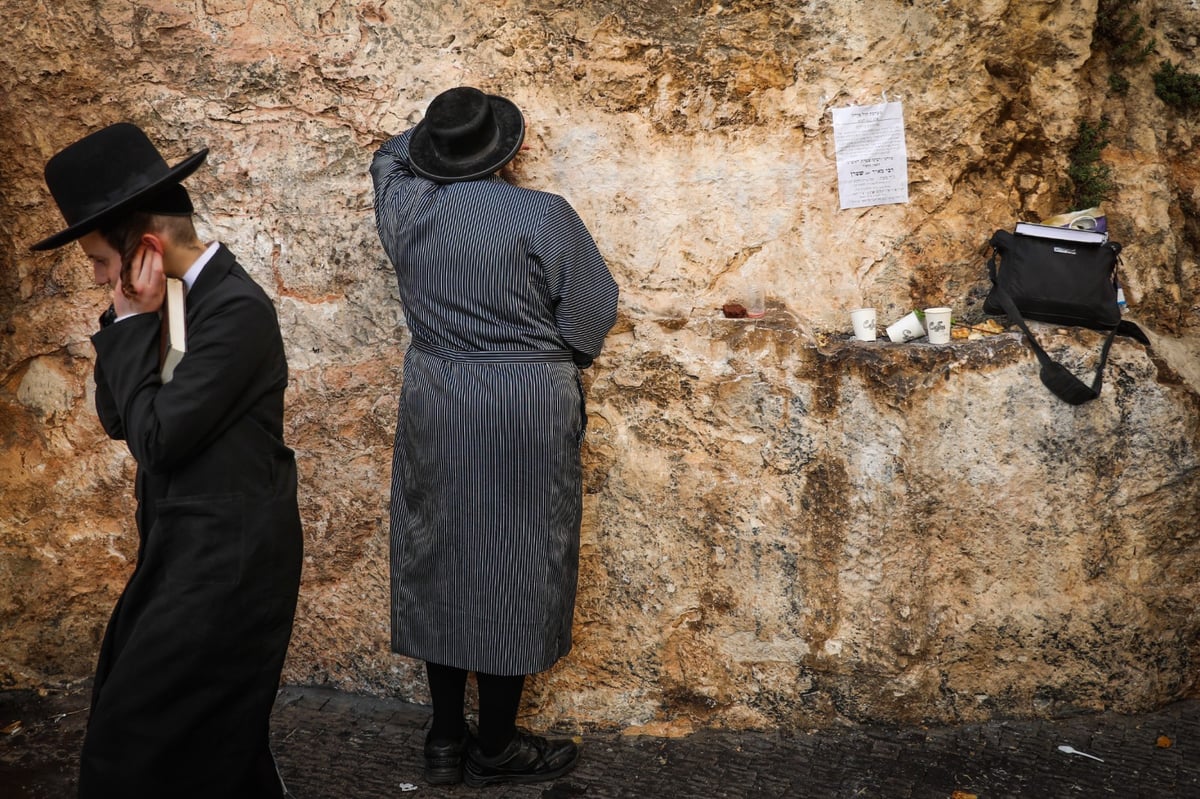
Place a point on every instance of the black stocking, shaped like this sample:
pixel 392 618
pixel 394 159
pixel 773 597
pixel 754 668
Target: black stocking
pixel 446 687
pixel 499 700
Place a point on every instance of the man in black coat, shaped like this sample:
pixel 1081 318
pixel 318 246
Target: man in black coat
pixel 190 661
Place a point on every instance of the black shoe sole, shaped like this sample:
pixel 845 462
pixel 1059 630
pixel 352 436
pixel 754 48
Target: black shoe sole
pixel 482 781
pixel 444 776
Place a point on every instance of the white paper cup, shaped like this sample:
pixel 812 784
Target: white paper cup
pixel 906 329
pixel 863 320
pixel 937 324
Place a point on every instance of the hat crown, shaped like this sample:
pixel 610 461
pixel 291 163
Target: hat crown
pixel 461 124
pixel 465 135
pixel 105 173
pixel 100 170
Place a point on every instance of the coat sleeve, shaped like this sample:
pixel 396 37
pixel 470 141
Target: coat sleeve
pixel 390 163
pixel 581 286
pixel 106 407
pixel 166 424
pixel 393 180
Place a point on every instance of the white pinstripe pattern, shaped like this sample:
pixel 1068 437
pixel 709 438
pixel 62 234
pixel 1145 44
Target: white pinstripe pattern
pixel 499 284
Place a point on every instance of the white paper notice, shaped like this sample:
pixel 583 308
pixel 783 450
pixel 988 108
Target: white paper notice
pixel 872 159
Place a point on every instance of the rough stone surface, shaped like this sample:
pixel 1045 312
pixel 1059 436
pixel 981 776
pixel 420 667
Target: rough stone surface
pixel 782 527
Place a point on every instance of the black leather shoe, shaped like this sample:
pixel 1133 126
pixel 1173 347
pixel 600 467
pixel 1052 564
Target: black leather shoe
pixel 444 760
pixel 528 758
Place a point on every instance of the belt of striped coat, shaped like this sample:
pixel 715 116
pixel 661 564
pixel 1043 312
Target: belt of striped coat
pixel 494 356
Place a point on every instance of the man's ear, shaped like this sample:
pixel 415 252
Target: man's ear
pixel 152 241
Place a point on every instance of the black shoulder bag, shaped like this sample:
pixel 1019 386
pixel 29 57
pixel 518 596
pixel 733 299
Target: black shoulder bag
pixel 1064 283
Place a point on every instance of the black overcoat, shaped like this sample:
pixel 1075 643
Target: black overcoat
pixel 191 658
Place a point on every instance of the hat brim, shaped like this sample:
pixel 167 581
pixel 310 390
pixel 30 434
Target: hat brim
pixel 84 226
pixel 425 161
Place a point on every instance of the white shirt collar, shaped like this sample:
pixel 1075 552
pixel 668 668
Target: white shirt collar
pixel 193 272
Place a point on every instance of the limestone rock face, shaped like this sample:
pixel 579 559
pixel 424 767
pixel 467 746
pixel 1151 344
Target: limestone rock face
pixel 782 526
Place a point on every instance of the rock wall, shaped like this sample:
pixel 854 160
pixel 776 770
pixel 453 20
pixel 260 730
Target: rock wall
pixel 782 527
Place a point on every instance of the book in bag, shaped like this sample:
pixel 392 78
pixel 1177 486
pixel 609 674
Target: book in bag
pixel 1060 233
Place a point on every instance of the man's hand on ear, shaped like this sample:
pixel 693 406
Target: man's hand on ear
pixel 143 283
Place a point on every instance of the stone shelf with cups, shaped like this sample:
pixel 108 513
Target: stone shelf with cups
pixel 934 325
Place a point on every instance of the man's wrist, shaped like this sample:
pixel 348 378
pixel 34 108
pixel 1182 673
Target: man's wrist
pixel 110 317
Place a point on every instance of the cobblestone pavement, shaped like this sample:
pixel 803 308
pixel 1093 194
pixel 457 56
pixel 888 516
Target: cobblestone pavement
pixel 333 745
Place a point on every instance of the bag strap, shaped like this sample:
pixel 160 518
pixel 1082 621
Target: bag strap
pixel 1054 375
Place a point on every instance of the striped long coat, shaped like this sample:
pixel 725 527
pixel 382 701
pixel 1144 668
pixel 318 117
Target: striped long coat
pixel 504 292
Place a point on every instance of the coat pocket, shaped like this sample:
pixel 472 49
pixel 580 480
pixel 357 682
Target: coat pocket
pixel 200 538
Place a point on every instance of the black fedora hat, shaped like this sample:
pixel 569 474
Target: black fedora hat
pixel 113 170
pixel 465 135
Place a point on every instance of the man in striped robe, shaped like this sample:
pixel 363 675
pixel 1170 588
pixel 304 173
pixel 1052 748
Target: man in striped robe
pixel 505 296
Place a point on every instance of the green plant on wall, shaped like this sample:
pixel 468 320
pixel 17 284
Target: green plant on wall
pixel 1176 88
pixel 1121 32
pixel 1118 84
pixel 1091 178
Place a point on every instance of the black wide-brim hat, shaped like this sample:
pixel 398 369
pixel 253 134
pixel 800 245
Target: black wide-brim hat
pixel 465 135
pixel 114 170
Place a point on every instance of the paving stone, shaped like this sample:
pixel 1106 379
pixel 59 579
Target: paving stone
pixel 336 745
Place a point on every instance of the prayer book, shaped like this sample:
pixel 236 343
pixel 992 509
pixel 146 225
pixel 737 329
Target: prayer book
pixel 174 330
